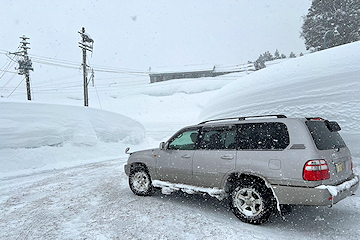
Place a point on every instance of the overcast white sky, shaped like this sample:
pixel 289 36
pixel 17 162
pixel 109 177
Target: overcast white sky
pixel 139 34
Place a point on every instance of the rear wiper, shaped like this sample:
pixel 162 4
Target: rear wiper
pixel 337 146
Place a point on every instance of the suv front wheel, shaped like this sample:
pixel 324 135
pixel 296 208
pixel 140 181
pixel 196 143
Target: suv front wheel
pixel 140 182
pixel 251 202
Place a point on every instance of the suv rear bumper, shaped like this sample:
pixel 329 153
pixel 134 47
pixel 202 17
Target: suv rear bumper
pixel 319 196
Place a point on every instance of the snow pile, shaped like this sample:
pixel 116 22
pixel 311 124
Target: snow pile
pixel 37 137
pixel 174 86
pixel 334 190
pixel 323 84
pixel 32 125
pixel 167 188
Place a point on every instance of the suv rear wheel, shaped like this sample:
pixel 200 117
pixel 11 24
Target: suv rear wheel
pixel 140 182
pixel 251 202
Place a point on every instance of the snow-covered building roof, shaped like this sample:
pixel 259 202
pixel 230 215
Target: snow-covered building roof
pixel 196 71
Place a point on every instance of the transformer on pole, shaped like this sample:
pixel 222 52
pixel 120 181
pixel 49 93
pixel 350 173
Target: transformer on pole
pixel 25 64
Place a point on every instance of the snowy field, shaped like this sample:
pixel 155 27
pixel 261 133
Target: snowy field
pixel 62 171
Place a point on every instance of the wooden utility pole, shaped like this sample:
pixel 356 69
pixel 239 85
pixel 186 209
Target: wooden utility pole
pixel 86 92
pixel 86 44
pixel 25 64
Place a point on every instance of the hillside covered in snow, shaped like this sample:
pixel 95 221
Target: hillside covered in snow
pixel 323 84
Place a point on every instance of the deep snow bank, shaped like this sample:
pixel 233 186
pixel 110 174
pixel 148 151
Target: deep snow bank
pixel 323 84
pixel 174 86
pixel 32 125
pixel 37 137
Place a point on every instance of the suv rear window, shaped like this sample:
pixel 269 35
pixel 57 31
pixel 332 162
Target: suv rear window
pixel 263 136
pixel 323 138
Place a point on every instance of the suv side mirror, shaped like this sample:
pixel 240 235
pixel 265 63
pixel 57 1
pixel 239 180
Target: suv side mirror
pixel 162 145
pixel 127 150
pixel 332 126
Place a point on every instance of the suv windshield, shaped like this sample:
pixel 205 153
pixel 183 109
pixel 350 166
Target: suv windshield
pixel 323 138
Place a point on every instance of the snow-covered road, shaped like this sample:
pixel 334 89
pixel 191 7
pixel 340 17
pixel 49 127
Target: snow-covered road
pixel 93 201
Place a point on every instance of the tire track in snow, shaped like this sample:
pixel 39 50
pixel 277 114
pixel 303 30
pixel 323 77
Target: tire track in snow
pixel 35 206
pixel 37 222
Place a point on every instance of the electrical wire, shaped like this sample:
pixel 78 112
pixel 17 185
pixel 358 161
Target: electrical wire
pixel 10 62
pixel 97 94
pixel 9 80
pixel 53 85
pixel 75 65
pixel 16 88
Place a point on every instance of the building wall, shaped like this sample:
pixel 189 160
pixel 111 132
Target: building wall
pixel 159 77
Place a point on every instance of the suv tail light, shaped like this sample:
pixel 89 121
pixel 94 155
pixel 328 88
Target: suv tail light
pixel 352 165
pixel 316 170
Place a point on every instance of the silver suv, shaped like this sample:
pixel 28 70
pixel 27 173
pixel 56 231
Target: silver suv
pixel 258 163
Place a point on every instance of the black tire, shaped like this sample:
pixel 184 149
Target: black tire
pixel 140 182
pixel 251 201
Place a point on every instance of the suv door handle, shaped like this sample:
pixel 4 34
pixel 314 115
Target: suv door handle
pixel 227 157
pixel 186 156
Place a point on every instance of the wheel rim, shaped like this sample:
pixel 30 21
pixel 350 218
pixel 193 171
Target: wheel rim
pixel 248 201
pixel 141 182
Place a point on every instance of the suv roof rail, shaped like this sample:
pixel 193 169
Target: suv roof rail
pixel 243 118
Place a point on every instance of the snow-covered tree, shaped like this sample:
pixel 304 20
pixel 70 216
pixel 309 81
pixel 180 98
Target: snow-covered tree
pixel 331 23
pixel 277 54
pixel 268 56
pixel 292 55
pixel 260 63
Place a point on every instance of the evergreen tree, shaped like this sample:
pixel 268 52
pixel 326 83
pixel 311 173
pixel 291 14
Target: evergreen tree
pixel 292 55
pixel 260 63
pixel 277 54
pixel 268 56
pixel 336 21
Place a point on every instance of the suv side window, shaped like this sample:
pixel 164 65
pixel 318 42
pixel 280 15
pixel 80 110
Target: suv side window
pixel 185 140
pixel 218 138
pixel 263 136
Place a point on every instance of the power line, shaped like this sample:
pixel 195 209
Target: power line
pixel 10 62
pixel 98 68
pixel 75 65
pixel 13 76
pixel 97 94
pixel 16 87
pixel 5 71
pixel 56 64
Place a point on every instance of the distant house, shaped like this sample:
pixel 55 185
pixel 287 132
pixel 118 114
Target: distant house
pixel 198 71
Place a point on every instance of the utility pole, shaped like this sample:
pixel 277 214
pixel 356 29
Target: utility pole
pixel 25 64
pixel 86 44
